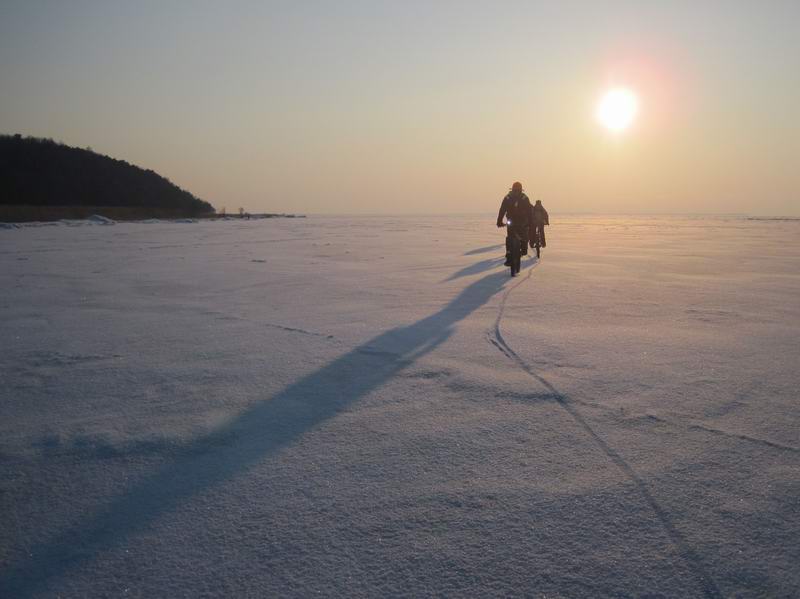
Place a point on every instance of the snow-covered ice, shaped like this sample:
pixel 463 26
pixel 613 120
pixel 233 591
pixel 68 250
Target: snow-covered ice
pixel 371 406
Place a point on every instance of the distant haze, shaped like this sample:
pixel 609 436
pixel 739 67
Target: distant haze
pixel 379 107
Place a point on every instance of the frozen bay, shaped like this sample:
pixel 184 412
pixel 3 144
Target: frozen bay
pixel 370 406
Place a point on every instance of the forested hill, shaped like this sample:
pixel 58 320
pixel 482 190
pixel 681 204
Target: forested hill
pixel 40 172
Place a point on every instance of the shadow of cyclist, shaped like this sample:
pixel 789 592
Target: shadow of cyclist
pixel 234 448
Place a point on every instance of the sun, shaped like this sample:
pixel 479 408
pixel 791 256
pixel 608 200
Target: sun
pixel 617 109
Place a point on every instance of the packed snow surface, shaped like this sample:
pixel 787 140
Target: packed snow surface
pixel 371 406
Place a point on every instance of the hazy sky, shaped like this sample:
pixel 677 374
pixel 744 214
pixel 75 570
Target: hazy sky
pixel 409 106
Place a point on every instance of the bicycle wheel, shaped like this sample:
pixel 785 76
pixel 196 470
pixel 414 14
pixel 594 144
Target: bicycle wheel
pixel 516 254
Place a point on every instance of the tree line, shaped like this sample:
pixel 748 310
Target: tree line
pixel 42 172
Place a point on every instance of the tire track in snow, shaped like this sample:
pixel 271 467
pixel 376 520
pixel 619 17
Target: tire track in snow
pixel 219 315
pixel 689 555
pixel 723 433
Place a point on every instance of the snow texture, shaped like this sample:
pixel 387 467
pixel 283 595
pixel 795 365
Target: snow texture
pixel 370 407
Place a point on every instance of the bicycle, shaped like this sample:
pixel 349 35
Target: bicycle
pixel 536 241
pixel 514 241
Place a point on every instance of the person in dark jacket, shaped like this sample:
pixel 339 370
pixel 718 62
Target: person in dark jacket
pixel 516 207
pixel 539 218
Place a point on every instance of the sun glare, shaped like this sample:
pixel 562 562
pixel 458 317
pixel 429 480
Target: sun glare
pixel 617 109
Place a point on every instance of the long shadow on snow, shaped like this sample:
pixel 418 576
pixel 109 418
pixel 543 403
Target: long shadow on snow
pixel 474 269
pixel 483 265
pixel 257 432
pixel 488 248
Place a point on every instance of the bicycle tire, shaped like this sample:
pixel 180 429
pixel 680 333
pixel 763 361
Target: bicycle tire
pixel 516 254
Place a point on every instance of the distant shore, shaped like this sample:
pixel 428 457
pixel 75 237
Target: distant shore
pixel 24 213
pixel 248 216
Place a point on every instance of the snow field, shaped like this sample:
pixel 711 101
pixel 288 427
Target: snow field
pixel 370 406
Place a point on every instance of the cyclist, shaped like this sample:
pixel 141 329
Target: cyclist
pixel 539 218
pixel 516 207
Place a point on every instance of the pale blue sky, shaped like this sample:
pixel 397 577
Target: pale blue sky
pixel 413 107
